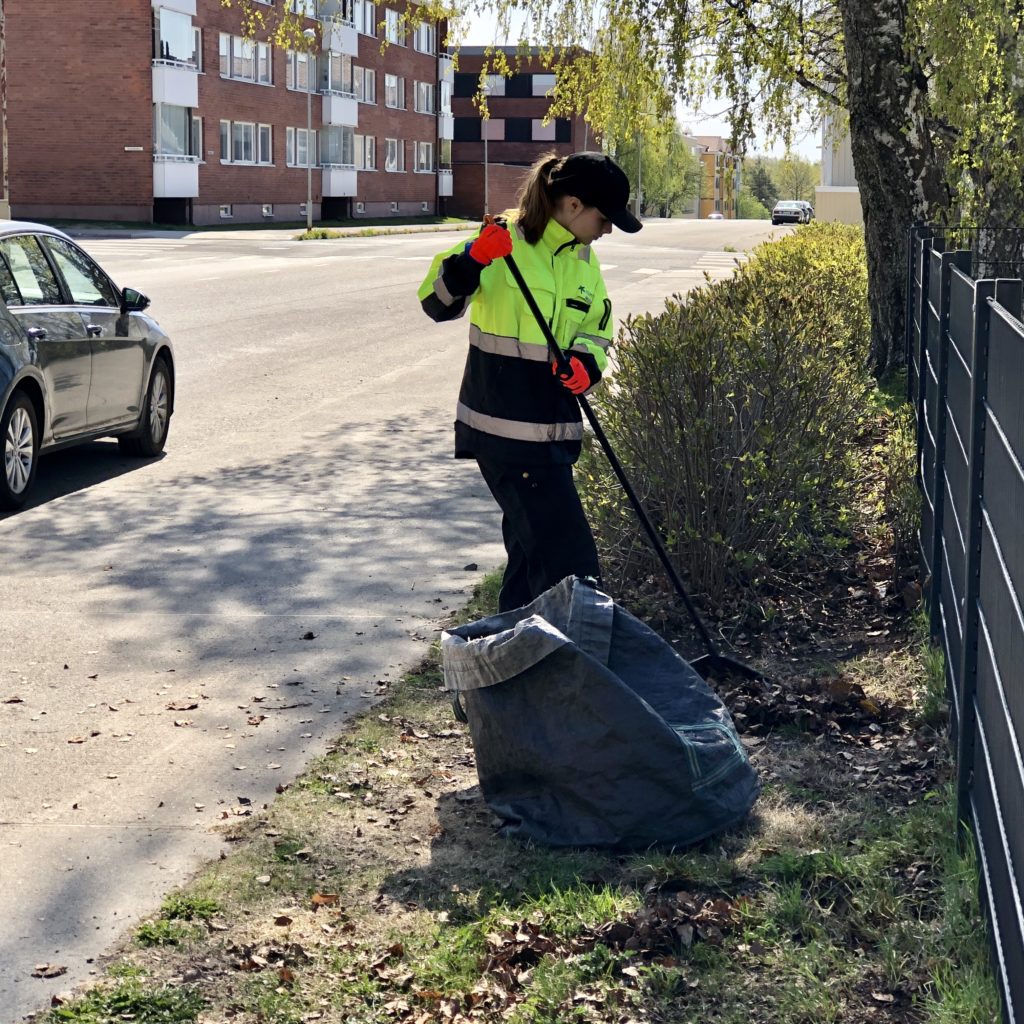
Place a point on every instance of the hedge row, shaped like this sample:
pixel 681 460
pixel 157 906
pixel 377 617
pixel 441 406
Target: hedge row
pixel 734 412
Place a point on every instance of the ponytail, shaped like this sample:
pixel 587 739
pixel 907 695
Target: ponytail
pixel 535 199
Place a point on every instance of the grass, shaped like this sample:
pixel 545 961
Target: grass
pixel 375 890
pixel 323 231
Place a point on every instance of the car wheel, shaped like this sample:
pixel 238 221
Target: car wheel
pixel 148 441
pixel 19 436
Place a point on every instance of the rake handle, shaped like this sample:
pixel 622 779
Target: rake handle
pixel 562 362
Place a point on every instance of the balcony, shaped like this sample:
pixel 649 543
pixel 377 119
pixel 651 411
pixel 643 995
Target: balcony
pixel 445 126
pixel 175 177
pixel 175 83
pixel 339 36
pixel 339 180
pixel 181 6
pixel 341 108
pixel 444 182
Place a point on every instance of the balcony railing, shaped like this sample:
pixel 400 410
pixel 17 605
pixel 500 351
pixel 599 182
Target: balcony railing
pixel 176 83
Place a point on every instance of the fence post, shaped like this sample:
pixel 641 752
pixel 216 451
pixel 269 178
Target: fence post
pixel 983 291
pixel 923 254
pixel 962 261
pixel 913 257
pixel 1010 295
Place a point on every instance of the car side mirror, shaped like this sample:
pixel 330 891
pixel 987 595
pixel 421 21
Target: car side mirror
pixel 133 301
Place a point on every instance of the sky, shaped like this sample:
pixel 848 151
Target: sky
pixel 481 31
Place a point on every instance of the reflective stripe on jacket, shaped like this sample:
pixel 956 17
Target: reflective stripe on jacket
pixel 511 407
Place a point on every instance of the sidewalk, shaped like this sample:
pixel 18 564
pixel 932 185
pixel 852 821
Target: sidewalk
pixel 255 234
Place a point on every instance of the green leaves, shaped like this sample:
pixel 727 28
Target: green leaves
pixel 736 412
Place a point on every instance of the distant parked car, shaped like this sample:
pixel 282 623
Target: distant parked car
pixel 789 211
pixel 79 359
pixel 715 215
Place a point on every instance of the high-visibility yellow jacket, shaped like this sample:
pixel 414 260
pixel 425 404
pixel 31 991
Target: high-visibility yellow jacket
pixel 511 406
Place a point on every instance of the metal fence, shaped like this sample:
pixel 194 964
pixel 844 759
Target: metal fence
pixel 965 360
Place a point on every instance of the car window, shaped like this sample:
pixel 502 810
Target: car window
pixel 34 277
pixel 8 286
pixel 86 282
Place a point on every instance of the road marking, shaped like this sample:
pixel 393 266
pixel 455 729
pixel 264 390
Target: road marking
pixel 647 270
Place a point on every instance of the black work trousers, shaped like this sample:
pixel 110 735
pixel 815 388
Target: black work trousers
pixel 546 533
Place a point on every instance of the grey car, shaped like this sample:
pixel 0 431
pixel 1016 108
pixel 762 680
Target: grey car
pixel 79 358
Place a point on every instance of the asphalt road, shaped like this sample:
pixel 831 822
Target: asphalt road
pixel 181 636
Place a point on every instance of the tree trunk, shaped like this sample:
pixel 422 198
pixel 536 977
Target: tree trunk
pixel 898 170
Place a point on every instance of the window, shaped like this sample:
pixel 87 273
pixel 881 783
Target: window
pixel 8 289
pixel 543 84
pixel 444 152
pixel 227 210
pixel 394 159
pixel 493 129
pixel 563 130
pixel 519 85
pixel 264 64
pixel 307 8
pixel 366 17
pixel 197 137
pixel 197 47
pixel 172 37
pixel 518 129
pixel 172 128
pixel 446 97
pixel 467 129
pixel 424 156
pixel 394 91
pixel 494 85
pixel 424 97
pixel 364 84
pixel 32 273
pixel 265 152
pixel 300 146
pixel 243 142
pixel 268 209
pixel 465 84
pixel 337 146
pixel 394 28
pixel 366 152
pixel 542 132
pixel 244 60
pixel 87 284
pixel 301 71
pixel 425 38
pixel 336 73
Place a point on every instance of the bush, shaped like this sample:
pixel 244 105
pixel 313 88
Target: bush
pixel 750 208
pixel 901 497
pixel 734 413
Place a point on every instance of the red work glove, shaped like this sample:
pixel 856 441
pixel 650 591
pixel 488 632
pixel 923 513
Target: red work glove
pixel 582 375
pixel 491 244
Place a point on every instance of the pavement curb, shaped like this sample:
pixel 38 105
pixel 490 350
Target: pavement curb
pixel 262 234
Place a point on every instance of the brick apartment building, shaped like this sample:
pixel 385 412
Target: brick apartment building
pixel 720 185
pixel 490 157
pixel 144 110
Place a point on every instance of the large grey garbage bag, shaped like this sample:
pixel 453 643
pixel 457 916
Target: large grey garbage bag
pixel 589 730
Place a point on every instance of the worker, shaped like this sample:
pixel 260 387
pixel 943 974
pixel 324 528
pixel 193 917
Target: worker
pixel 517 413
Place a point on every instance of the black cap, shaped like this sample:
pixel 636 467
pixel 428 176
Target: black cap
pixel 597 180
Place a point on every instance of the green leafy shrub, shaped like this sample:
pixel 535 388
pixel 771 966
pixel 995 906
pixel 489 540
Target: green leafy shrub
pixel 901 499
pixel 734 412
